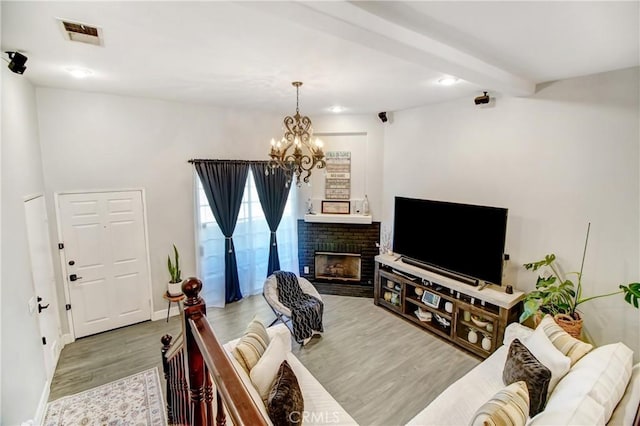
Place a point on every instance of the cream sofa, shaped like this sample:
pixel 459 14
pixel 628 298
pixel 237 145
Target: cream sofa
pixel 319 405
pixel 601 388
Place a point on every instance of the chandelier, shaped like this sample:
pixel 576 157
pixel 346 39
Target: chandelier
pixel 289 152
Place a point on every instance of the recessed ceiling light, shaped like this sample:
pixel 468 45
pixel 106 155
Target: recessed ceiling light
pixel 79 72
pixel 337 109
pixel 447 81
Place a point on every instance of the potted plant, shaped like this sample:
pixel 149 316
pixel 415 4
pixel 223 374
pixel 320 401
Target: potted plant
pixel 560 297
pixel 174 288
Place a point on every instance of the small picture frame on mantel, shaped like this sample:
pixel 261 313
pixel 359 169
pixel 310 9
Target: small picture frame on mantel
pixel 336 207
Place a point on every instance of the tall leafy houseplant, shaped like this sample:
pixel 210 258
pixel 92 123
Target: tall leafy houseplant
pixel 561 297
pixel 174 288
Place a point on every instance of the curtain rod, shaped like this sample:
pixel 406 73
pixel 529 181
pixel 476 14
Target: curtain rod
pixel 201 160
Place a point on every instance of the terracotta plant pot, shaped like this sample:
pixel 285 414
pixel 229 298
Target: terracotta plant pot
pixel 571 325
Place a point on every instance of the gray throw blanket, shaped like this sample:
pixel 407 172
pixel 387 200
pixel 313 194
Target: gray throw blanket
pixel 306 310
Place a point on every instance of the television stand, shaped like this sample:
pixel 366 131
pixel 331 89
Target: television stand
pixel 446 306
pixel 453 275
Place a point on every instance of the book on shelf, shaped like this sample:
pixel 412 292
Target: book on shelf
pixel 424 316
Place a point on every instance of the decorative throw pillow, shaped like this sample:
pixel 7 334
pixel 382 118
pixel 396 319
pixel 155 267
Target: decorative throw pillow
pixel 567 344
pixel 541 347
pixel 285 404
pixel 515 330
pixel 521 365
pixel 264 373
pixel 567 409
pixel 251 345
pixel 508 407
pixel 603 375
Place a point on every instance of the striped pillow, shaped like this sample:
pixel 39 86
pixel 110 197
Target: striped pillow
pixel 251 345
pixel 508 407
pixel 568 345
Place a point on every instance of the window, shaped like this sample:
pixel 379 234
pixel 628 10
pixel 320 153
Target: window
pixel 251 241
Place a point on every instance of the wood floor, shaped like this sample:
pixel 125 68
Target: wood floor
pixel 380 368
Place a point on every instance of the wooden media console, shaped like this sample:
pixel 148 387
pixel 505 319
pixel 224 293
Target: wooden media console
pixel 467 316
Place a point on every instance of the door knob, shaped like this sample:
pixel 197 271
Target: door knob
pixel 74 277
pixel 41 308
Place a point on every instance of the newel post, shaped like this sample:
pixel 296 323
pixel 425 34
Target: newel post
pixel 194 307
pixel 166 345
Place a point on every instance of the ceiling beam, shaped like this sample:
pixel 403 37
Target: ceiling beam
pixel 350 22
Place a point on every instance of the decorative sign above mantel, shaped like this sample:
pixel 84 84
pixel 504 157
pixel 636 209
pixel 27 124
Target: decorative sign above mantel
pixel 338 176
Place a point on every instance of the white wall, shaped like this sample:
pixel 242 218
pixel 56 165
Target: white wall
pixel 363 137
pixel 23 373
pixel 557 160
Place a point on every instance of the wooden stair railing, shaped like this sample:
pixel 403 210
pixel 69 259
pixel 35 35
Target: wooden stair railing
pixel 196 365
pixel 177 391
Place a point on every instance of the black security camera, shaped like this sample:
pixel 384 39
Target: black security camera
pixel 484 99
pixel 17 62
pixel 383 116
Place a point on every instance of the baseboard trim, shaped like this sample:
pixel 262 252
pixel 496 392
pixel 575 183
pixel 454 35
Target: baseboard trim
pixel 66 339
pixel 162 315
pixel 354 290
pixel 42 405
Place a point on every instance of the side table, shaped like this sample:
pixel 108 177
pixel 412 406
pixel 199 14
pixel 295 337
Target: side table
pixel 172 299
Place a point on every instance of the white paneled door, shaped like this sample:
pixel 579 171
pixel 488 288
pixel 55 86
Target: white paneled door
pixel 44 285
pixel 106 259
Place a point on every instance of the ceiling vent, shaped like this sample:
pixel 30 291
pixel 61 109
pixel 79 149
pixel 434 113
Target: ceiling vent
pixel 83 33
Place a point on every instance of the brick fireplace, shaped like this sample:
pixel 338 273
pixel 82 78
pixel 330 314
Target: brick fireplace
pixel 341 251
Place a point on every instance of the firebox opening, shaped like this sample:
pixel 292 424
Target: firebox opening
pixel 337 266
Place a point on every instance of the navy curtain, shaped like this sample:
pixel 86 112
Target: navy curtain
pixel 273 191
pixel 223 183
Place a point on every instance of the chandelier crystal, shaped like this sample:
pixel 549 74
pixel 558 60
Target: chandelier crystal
pixel 289 152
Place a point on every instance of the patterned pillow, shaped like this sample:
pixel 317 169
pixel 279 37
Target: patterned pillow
pixel 567 344
pixel 521 365
pixel 251 345
pixel 285 404
pixel 508 407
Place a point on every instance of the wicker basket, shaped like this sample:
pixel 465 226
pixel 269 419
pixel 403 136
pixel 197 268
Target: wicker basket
pixel 573 326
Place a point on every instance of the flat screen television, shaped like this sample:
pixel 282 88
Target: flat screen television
pixel 464 239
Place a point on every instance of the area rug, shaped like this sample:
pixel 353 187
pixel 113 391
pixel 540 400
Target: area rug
pixel 134 400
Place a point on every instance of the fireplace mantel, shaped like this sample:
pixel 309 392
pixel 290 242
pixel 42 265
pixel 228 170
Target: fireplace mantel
pixel 338 218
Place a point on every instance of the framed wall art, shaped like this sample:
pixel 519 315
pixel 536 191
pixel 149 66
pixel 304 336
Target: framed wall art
pixel 336 207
